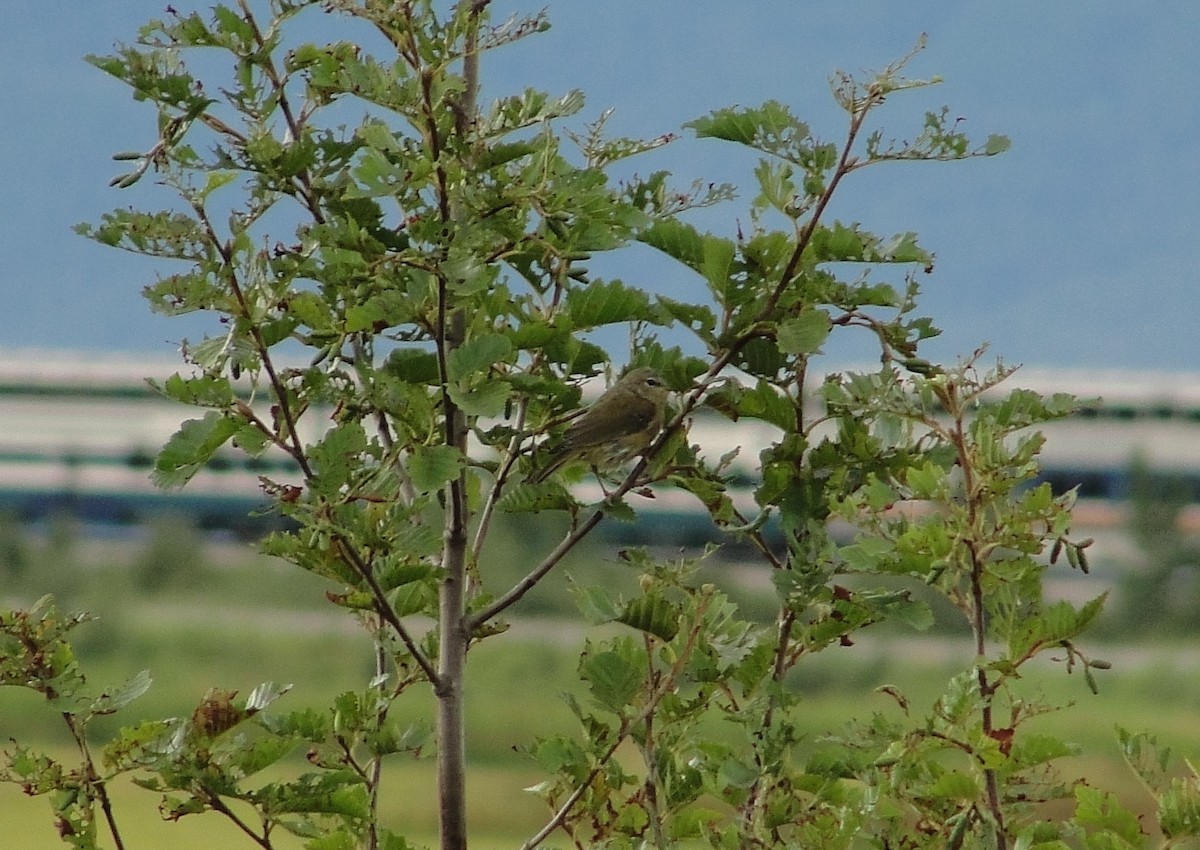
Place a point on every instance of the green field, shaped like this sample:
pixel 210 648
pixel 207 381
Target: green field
pixel 236 627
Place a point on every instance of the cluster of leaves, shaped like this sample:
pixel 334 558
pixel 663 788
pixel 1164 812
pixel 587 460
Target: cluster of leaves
pixel 433 280
pixel 208 762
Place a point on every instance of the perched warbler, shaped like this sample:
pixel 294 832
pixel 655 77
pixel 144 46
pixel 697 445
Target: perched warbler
pixel 618 425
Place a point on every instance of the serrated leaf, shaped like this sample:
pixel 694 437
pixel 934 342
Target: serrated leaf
pixel 697 318
pixel 1179 808
pixel 954 785
pixel 339 449
pixel 477 354
pixel 535 334
pixel 996 144
pixel 531 498
pixel 1036 748
pixel 365 316
pixel 613 679
pixel 1098 810
pixel 761 357
pixel 251 439
pixel 430 467
pixel 652 614
pixel 117 698
pixel 804 334
pixel 903 248
pixel 336 792
pixel 413 598
pixel 200 390
pixel 619 510
pixel 770 128
pixel 605 303
pixel 596 604
pixel 762 401
pixel 265 694
pixel 710 256
pixel 776 187
pixel 560 754
pixel 488 399
pixel 412 365
pixel 216 179
pixel 193 445
pixel 261 753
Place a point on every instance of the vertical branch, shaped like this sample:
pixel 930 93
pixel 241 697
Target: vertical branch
pixel 375 769
pixel 454 629
pixel 978 616
pixel 96 785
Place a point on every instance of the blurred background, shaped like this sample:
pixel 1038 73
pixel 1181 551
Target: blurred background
pixel 1074 254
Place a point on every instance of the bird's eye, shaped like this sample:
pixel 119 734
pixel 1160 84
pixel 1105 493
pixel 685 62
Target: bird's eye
pixel 653 382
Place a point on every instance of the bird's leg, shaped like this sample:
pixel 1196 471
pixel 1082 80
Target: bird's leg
pixel 600 481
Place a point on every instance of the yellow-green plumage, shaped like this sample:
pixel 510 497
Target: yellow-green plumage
pixel 618 425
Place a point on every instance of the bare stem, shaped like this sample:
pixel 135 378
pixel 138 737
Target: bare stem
pixel 218 805
pixel 454 631
pixel 978 613
pixel 97 785
pixel 627 726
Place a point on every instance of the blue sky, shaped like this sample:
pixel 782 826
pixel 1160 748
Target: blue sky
pixel 1078 248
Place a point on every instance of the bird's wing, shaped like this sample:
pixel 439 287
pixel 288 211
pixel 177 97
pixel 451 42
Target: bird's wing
pixel 587 432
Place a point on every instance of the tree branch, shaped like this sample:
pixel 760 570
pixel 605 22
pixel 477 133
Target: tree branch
pixel 627 726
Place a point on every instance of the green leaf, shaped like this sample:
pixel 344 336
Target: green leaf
pixel 735 773
pixel 761 357
pixel 619 510
pixel 365 316
pixel 777 189
pixel 697 318
pixel 652 614
pixel 215 180
pixel 261 753
pixel 1056 623
pixel 605 303
pixel 531 498
pixel 412 365
pixel 596 604
pixel 1099 811
pixel 335 839
pixel 900 607
pixel 193 445
pixel 804 334
pixel 954 785
pixel 710 256
pixel 996 144
pixel 430 467
pixel 201 390
pixel 1037 748
pixel 339 792
pixel 613 677
pixel 560 754
pixel 252 440
pixel 762 401
pixel 265 694
pixel 1179 808
pixel 477 355
pixel 340 450
pixel 115 699
pixel 770 128
pixel 487 399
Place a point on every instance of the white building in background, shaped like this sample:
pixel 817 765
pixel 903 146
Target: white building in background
pixel 79 433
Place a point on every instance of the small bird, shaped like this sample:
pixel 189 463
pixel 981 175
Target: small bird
pixel 618 425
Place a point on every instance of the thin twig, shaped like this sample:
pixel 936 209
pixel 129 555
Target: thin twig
pixel 627 726
pixel 97 785
pixel 384 608
pixel 505 466
pixel 218 805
